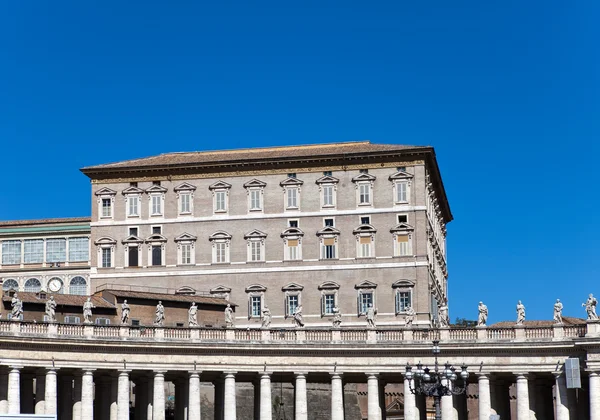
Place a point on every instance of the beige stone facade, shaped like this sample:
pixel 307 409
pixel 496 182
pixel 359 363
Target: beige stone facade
pixel 367 223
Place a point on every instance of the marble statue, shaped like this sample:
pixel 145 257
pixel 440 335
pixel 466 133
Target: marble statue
pixel 125 311
pixel 483 315
pixel 51 309
pixel 443 316
pixel 558 307
pixel 590 308
pixel 266 313
pixel 298 316
pixel 520 313
pixel 370 316
pixel 87 311
pixel 193 315
pixel 337 317
pixel 159 315
pixel 229 316
pixel 409 316
pixel 16 305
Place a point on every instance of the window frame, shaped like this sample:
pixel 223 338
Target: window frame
pixel 402 229
pixel 255 291
pixel 397 178
pixel 253 239
pixel 326 235
pixel 72 250
pixel 102 243
pixel 216 189
pixel 34 252
pixel 403 286
pixel 185 190
pixel 102 195
pixel 363 289
pixel 292 234
pixel 183 241
pixel 329 288
pixel 85 292
pixel 255 186
pixel 220 238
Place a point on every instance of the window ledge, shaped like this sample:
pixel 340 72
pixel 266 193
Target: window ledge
pixel 220 211
pixel 187 213
pixel 255 210
pixel 221 263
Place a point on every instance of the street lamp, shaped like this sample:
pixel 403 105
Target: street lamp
pixel 437 383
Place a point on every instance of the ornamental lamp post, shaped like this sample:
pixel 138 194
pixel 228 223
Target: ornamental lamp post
pixel 437 383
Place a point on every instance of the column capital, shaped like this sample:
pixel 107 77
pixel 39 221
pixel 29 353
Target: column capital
pixel 336 375
pixel 593 374
pixel 483 375
pixel 194 372
pixel 15 367
pixel 300 374
pixel 124 371
pixel 265 375
pixel 159 372
pixel 522 375
pixel 373 375
pixel 88 371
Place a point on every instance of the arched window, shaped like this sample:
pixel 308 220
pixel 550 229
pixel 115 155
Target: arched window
pixel 10 284
pixel 78 286
pixel 32 285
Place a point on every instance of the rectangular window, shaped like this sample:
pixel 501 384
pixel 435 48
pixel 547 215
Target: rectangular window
pixel 293 223
pixel 156 255
pixel 328 248
pixel 255 200
pixel 133 205
pixel 402 218
pixel 293 253
pixel 156 204
pixel 185 203
pixel 255 251
pixel 363 171
pixel 328 222
pixel 133 256
pixel 79 249
pixel 133 231
pixel 291 175
pixel 327 195
pixel 11 252
pixel 56 250
pixel 402 245
pixel 365 299
pixel 403 300
pixel 328 300
pixel 364 193
pixel 106 257
pixel 291 304
pixel 220 252
pixel 327 173
pixel 365 246
pixel 255 306
pixel 106 207
pixel 365 220
pixel 33 251
pixel 186 253
pixel 156 230
pixel 220 201
pixel 401 192
pixel 292 197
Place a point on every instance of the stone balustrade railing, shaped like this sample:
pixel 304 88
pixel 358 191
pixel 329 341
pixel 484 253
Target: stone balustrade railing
pixel 305 335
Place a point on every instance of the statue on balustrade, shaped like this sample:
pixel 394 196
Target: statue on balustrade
pixel 125 311
pixel 558 307
pixel 483 315
pixel 443 316
pixel 159 315
pixel 520 313
pixel 193 315
pixel 229 316
pixel 409 316
pixel 298 316
pixel 266 313
pixel 590 308
pixel 337 317
pixel 51 309
pixel 370 316
pixel 16 305
pixel 87 311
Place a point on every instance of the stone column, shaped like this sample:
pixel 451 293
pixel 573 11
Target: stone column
pixel 337 397
pixel 373 409
pixel 301 404
pixel 77 396
pixel 522 397
pixel 3 393
pixel 485 405
pixel 194 396
pixel 447 403
pixel 87 395
pixel 123 395
pixel 266 404
pixel 114 393
pixel 150 399
pixel 532 397
pixel 40 392
pixel 158 405
pixel 14 390
pixel 594 396
pixel 26 386
pixel 229 400
pixel 560 397
pixel 410 402
pixel 50 398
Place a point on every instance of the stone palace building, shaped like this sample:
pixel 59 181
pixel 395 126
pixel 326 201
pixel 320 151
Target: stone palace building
pixel 333 229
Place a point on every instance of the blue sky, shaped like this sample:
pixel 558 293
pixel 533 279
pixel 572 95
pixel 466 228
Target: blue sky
pixel 507 93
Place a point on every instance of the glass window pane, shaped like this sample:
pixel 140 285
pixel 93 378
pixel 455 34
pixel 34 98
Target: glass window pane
pixel 78 249
pixel 156 255
pixel 56 250
pixel 33 251
pixel 78 286
pixel 106 257
pixel 11 252
pixel 10 284
pixel 32 285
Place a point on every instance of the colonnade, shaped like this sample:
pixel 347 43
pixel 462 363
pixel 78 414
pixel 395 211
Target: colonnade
pixel 85 394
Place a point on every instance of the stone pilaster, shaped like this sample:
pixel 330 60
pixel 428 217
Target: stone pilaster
pixel 194 396
pixel 337 397
pixel 447 403
pixel 50 397
pixel 123 395
pixel 373 409
pixel 301 403
pixel 14 390
pixel 485 401
pixel 158 405
pixel 229 399
pixel 522 397
pixel 40 392
pixel 266 404
pixel 87 395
